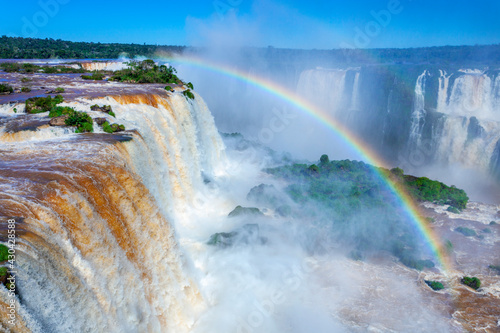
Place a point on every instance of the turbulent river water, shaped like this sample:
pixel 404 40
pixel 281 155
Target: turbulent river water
pixel 112 233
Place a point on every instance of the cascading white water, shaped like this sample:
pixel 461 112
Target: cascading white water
pixel 474 94
pixel 98 251
pixel 324 87
pixel 103 65
pixel 355 102
pixel 444 82
pixel 418 114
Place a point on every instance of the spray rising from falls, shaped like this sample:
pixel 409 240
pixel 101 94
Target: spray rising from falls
pixel 96 249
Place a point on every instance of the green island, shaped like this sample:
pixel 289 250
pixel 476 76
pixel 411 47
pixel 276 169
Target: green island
pixel 69 116
pixel 472 282
pixel 359 208
pixel 434 285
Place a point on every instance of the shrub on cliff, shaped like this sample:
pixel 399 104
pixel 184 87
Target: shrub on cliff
pixel 188 94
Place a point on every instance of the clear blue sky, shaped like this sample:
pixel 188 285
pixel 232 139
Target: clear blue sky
pixel 323 24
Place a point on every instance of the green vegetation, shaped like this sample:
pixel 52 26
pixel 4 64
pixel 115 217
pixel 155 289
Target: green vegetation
pixel 5 88
pixel 42 104
pixel 4 252
pixel 34 48
pixel 58 111
pixel 106 127
pixel 435 285
pixel 168 88
pixel 25 79
pixel 453 210
pixel 449 246
pixel 25 89
pixel 188 94
pixel 493 223
pixel 105 108
pixel 472 282
pixel 3 271
pixel 486 230
pixel 358 207
pixel 96 76
pixel 146 71
pixel 190 85
pixel 81 120
pixel 495 268
pixel 61 70
pixel 238 211
pixel 59 90
pixel 466 231
pixel 324 159
pixel 424 189
pixel 28 68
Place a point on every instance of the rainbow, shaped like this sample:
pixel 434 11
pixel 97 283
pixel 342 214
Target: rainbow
pixel 408 205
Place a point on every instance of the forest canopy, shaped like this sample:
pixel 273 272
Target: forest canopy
pixel 33 48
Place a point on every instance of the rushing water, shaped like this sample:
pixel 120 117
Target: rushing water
pixel 113 229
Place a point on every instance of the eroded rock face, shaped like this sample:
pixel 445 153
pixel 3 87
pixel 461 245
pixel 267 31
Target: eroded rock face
pixel 58 121
pixel 100 121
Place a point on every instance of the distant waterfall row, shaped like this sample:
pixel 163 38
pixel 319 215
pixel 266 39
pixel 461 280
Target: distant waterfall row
pixel 415 116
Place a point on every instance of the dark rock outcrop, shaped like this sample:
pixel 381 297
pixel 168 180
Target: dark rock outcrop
pixel 100 121
pixel 104 108
pixel 58 121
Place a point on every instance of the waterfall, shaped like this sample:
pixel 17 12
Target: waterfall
pixel 418 115
pixel 103 65
pixel 444 82
pixel 95 217
pixel 450 116
pixel 324 87
pixel 355 102
pixel 471 127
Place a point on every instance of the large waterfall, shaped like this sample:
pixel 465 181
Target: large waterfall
pixel 415 116
pixel 94 216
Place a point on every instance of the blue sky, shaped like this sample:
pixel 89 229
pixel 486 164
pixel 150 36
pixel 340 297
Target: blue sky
pixel 294 24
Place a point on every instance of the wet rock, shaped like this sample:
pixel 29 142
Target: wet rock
pixel 58 121
pixel 100 121
pixel 104 108
pixel 238 211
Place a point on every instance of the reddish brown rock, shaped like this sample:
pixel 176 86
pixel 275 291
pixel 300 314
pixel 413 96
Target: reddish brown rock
pixel 58 121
